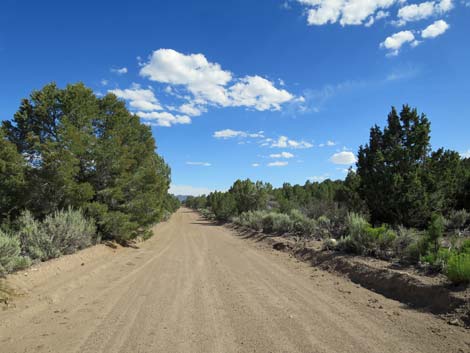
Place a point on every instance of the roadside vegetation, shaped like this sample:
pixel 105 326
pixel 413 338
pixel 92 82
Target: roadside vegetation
pixel 403 202
pixel 76 169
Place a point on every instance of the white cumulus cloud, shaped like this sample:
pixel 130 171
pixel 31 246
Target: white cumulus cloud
pixel 259 93
pixel 201 77
pixel 346 12
pixel 397 40
pixel 209 84
pixel 421 11
pixel 139 98
pixel 164 119
pixel 435 29
pixel 344 157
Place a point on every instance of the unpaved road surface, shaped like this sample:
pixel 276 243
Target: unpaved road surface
pixel 196 287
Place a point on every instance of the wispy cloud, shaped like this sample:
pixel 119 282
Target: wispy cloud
pixel 119 70
pixel 229 133
pixel 285 142
pixel 278 164
pixel 202 164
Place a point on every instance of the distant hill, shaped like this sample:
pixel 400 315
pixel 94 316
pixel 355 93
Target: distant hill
pixel 182 198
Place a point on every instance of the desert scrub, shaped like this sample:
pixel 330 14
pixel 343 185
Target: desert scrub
pixel 301 224
pixel 277 223
pixel 63 232
pixel 363 239
pixel 458 268
pixel 458 219
pixel 10 259
pixel 358 240
pixel 407 245
pixel 251 219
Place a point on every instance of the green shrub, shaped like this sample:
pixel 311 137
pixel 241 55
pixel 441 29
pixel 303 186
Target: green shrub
pixel 251 219
pixel 324 226
pixel 118 226
pixel 437 260
pixel 364 239
pixel 206 213
pixel 465 247
pixel 347 244
pixel 458 268
pixel 63 232
pixel 10 259
pixel 406 245
pixel 435 231
pixel 34 241
pixel 361 238
pixel 282 223
pixel 301 224
pixel 384 237
pixel 458 219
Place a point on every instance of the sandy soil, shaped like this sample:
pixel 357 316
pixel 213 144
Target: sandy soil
pixel 195 287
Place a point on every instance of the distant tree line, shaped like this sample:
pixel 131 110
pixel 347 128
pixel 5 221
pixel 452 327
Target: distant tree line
pixel 399 201
pixel 398 181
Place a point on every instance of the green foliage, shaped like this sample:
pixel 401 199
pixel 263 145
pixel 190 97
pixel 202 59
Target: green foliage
pixel 34 241
pixel 10 259
pixel 69 148
pixel 458 219
pixel 366 240
pixel 249 196
pixel 401 182
pixel 301 224
pixel 277 223
pixel 68 230
pixel 435 231
pixel 437 260
pixel 407 245
pixel 196 202
pixel 251 219
pixel 223 205
pixel 458 268
pixel 12 181
pixel 63 232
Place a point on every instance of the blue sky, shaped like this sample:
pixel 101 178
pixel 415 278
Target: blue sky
pixel 269 89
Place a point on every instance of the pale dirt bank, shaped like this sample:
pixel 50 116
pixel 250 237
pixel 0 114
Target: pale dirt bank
pixel 195 287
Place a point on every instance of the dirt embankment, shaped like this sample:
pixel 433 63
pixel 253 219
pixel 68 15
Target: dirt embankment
pixel 196 287
pixel 429 293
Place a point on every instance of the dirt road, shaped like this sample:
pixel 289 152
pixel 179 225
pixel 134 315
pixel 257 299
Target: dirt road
pixel 195 287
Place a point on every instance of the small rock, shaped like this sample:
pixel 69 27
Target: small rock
pixel 454 322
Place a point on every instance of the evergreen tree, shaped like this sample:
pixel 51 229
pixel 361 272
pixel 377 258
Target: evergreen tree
pixel 12 180
pixel 89 153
